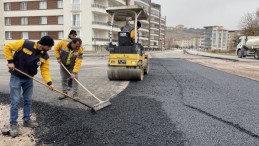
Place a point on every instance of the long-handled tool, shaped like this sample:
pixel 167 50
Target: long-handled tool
pixel 101 103
pixel 48 86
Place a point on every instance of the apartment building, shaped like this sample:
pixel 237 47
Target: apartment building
pixel 32 19
pixel 215 37
pixel 2 32
pixel 195 42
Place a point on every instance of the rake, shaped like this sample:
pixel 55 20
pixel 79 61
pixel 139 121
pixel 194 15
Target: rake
pixel 96 107
pixel 54 89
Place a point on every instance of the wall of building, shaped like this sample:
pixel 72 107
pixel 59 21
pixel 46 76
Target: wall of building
pixel 92 26
pixel 2 32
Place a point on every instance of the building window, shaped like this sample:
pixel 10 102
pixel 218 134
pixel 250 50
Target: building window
pixel 23 6
pixel 60 20
pixel 76 20
pixel 24 20
pixel 43 5
pixel 60 4
pixel 44 33
pixel 25 35
pixel 8 35
pixel 76 5
pixel 7 6
pixel 43 20
pixel 60 35
pixel 78 33
pixel 7 21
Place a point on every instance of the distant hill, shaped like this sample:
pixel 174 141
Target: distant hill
pixel 184 33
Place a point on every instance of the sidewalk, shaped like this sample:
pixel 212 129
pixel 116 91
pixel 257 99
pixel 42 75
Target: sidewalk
pixel 220 56
pixel 86 53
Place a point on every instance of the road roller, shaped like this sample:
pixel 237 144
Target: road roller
pixel 127 59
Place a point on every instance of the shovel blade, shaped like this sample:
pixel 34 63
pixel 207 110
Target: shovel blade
pixel 101 105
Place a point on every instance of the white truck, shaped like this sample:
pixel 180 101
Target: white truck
pixel 248 46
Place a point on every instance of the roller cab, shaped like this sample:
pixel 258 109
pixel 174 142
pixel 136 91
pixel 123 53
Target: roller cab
pixel 127 60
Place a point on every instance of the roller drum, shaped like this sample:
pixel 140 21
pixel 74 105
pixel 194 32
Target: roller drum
pixel 123 73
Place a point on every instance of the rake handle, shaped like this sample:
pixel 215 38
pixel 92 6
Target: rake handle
pixel 48 86
pixel 80 83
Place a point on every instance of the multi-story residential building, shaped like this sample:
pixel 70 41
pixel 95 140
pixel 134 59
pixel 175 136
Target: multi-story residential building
pixel 215 37
pixel 32 19
pixel 2 31
pixel 194 42
pixel 153 30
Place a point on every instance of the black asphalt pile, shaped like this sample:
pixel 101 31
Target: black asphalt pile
pixel 134 118
pixel 4 98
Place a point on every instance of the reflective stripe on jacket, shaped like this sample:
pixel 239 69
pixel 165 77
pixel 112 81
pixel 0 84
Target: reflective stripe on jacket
pixel 61 51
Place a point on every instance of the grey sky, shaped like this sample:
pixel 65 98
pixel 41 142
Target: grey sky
pixel 199 13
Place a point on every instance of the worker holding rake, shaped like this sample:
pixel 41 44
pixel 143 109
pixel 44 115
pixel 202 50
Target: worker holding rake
pixel 69 55
pixel 27 57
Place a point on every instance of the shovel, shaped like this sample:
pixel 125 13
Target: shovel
pixel 48 86
pixel 96 107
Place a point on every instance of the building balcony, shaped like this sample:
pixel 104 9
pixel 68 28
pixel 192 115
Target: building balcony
pixel 143 38
pixel 104 26
pixel 121 1
pixel 155 22
pixel 99 8
pixel 117 3
pixel 154 16
pixel 143 29
pixel 145 2
pixel 153 34
pixel 154 28
pixel 102 41
pixel 144 21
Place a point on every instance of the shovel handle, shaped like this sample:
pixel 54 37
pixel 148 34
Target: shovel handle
pixel 39 81
pixel 48 87
pixel 80 83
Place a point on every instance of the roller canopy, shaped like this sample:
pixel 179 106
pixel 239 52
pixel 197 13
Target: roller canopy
pixel 121 12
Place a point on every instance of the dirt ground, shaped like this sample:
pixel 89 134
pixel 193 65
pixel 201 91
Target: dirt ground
pixel 245 69
pixel 249 70
pixel 26 137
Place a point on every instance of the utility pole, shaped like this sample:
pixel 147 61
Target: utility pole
pixel 149 24
pixel 159 35
pixel 165 31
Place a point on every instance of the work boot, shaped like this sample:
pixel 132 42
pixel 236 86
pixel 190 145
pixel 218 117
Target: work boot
pixel 30 124
pixel 14 130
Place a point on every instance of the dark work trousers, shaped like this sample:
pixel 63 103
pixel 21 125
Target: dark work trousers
pixel 65 79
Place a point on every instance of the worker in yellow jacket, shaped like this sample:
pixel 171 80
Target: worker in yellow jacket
pixel 70 54
pixel 132 32
pixel 26 56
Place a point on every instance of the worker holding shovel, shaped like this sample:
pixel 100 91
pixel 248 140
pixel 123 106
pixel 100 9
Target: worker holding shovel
pixel 27 57
pixel 72 34
pixel 70 56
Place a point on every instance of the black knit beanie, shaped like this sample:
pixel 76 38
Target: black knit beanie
pixel 46 41
pixel 72 32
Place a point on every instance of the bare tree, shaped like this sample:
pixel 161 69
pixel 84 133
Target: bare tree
pixel 169 40
pixel 250 24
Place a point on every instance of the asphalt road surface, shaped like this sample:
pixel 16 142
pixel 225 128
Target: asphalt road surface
pixel 177 103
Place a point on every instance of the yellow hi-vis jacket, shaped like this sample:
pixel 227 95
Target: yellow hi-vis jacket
pixel 27 60
pixel 62 52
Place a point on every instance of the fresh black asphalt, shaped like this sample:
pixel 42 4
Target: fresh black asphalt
pixel 178 103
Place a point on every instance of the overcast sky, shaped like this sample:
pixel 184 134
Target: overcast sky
pixel 199 13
